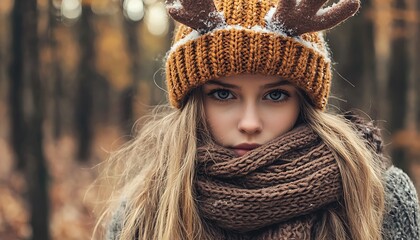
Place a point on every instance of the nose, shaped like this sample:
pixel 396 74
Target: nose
pixel 250 121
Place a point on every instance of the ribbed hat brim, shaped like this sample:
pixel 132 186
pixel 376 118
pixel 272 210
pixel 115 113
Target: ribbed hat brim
pixel 228 52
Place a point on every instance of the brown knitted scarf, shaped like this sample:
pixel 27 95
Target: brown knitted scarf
pixel 272 192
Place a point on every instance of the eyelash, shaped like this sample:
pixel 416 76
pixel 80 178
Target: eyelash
pixel 285 93
pixel 212 95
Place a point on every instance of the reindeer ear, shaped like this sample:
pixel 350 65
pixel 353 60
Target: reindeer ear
pixel 307 16
pixel 200 15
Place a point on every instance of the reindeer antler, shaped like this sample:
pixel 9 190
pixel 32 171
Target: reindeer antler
pixel 307 15
pixel 200 15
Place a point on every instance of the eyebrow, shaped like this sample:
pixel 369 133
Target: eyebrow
pixel 276 84
pixel 226 85
pixel 269 85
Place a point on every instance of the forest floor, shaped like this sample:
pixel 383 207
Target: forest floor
pixel 73 201
pixel 72 195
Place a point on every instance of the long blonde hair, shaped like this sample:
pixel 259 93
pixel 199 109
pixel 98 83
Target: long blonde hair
pixel 361 171
pixel 151 178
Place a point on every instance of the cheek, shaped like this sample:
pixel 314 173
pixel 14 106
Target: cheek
pixel 282 121
pixel 220 121
pixel 215 119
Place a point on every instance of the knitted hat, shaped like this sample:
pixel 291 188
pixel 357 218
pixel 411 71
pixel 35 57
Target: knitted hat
pixel 228 37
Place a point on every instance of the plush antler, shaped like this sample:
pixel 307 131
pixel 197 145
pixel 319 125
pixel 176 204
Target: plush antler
pixel 200 15
pixel 304 16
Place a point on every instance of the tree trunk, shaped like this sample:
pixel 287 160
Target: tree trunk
pixel 55 73
pixel 87 74
pixel 411 100
pixel 412 50
pixel 397 88
pixel 27 113
pixel 351 45
pixel 133 50
pixel 16 84
pixel 4 55
pixel 382 22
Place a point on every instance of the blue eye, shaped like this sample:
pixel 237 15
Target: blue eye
pixel 277 95
pixel 221 94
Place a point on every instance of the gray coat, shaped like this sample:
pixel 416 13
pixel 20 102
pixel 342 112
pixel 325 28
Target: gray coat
pixel 402 219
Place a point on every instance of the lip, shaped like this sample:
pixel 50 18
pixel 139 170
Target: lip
pixel 246 146
pixel 243 148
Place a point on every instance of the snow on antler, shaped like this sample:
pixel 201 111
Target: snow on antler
pixel 200 15
pixel 297 17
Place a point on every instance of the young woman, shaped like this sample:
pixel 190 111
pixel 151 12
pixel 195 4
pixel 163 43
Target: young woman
pixel 247 150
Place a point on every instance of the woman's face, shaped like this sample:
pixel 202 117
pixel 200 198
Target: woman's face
pixel 245 111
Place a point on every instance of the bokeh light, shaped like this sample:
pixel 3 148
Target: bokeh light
pixel 71 9
pixel 134 9
pixel 157 19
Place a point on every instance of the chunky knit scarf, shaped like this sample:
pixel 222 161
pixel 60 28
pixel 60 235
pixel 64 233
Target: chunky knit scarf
pixel 272 192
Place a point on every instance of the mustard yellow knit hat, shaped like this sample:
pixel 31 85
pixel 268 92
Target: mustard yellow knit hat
pixel 228 37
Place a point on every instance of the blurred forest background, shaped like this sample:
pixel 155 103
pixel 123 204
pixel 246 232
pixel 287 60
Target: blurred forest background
pixel 76 74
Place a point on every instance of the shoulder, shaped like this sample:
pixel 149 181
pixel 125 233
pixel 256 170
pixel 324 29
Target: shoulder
pixel 401 220
pixel 114 227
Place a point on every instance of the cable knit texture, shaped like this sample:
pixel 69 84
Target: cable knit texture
pixel 247 45
pixel 299 161
pixel 292 176
pixel 401 219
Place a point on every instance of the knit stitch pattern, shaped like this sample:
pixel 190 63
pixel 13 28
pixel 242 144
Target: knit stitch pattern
pixel 293 175
pixel 401 219
pixel 248 45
